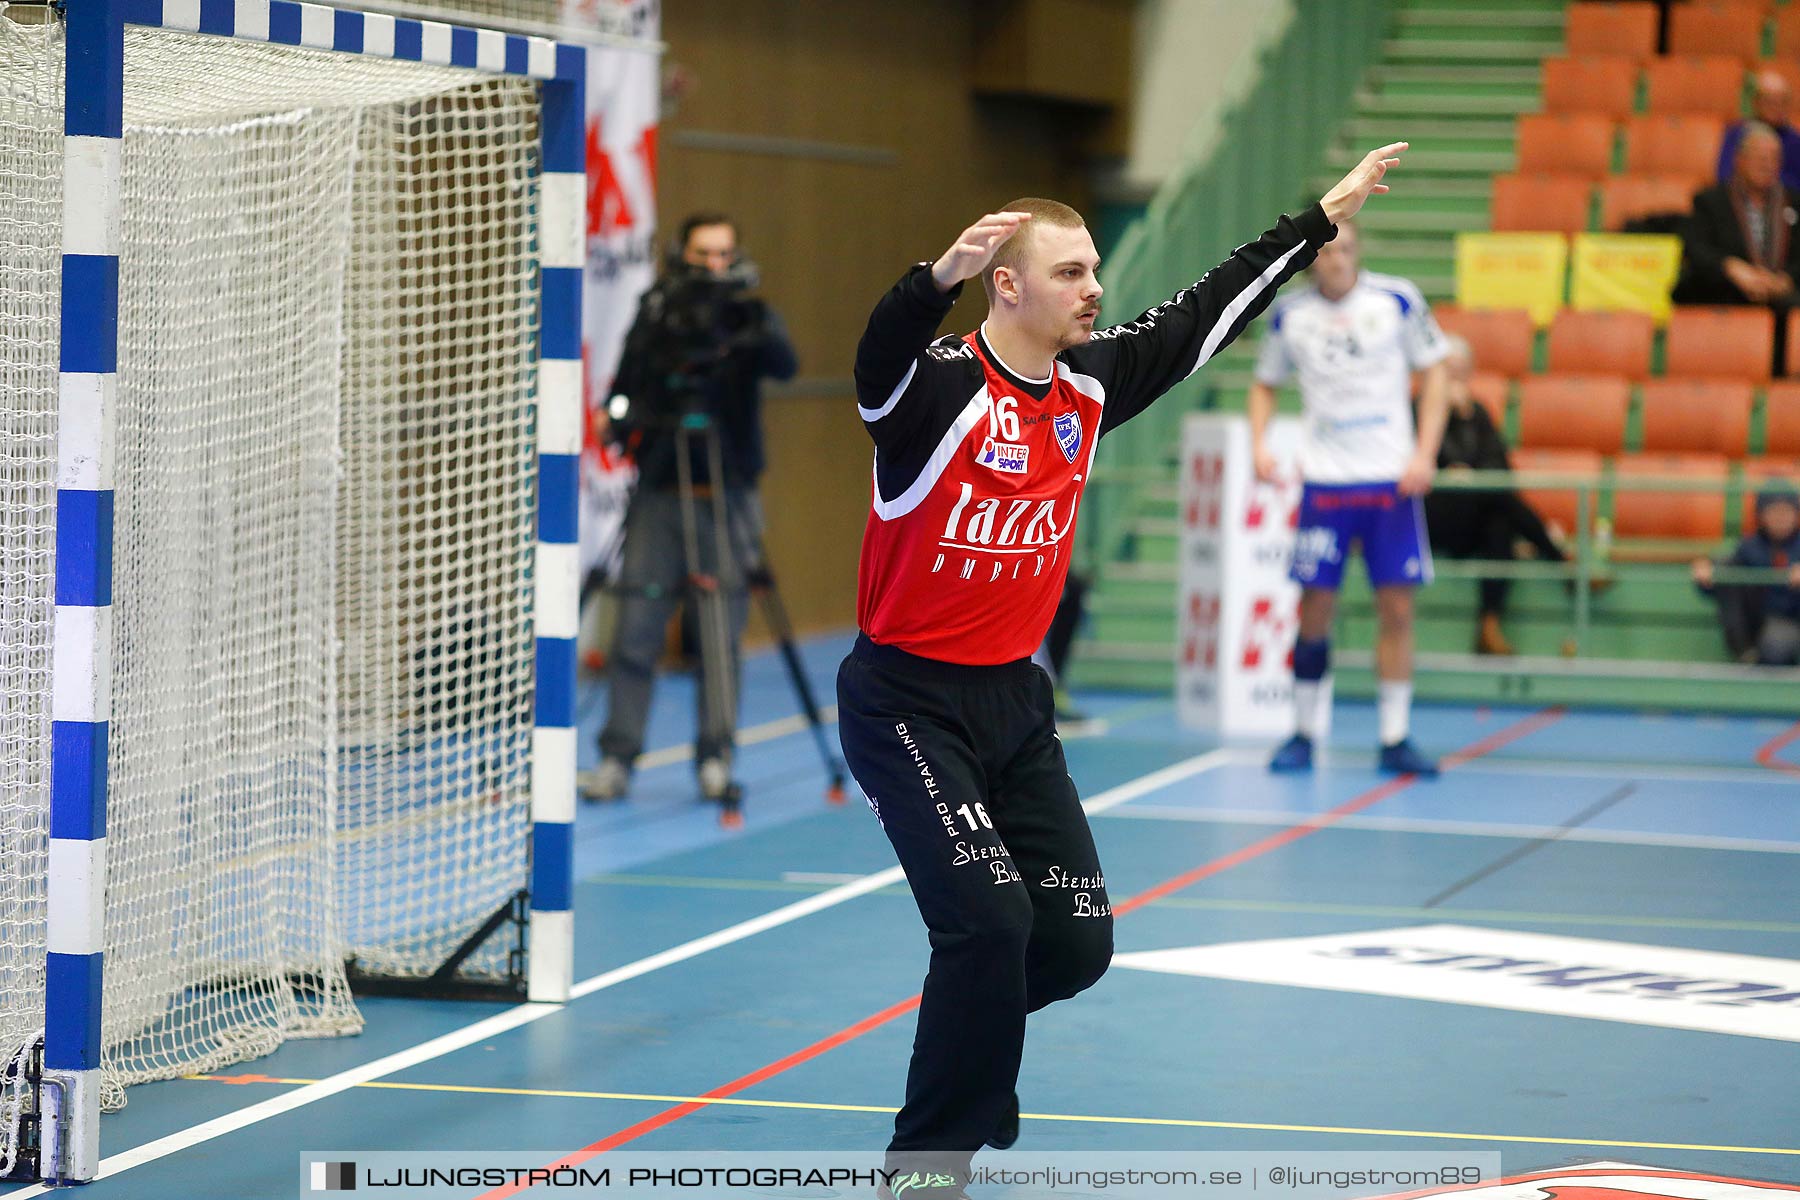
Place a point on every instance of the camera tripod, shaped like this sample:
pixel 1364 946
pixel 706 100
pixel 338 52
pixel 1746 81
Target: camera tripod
pixel 709 595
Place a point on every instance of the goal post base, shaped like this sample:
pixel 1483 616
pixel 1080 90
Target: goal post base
pixel 508 922
pixel 22 1076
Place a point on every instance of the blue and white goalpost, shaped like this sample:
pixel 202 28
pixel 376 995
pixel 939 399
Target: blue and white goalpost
pixel 308 642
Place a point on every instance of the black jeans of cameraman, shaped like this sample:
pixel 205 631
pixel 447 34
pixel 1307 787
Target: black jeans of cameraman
pixel 963 769
pixel 651 585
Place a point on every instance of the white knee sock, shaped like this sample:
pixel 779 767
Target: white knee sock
pixel 1312 706
pixel 1394 703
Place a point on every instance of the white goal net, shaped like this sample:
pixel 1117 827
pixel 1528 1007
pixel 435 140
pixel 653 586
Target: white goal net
pixel 325 472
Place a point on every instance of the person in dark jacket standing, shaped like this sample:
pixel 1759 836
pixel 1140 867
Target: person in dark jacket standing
pixel 700 346
pixel 1480 524
pixel 1762 623
pixel 984 444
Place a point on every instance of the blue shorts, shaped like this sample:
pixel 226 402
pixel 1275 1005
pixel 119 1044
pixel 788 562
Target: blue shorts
pixel 1390 527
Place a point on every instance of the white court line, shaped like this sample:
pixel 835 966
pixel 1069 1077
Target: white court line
pixel 1250 816
pixel 1572 768
pixel 768 731
pixel 1643 772
pixel 525 1014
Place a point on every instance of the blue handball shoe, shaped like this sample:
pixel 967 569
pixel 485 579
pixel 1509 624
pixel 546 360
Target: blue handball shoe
pixel 1295 755
pixel 1403 758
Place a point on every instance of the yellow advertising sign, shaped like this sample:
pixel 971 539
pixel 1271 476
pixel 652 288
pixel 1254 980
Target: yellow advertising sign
pixel 1631 272
pixel 1512 270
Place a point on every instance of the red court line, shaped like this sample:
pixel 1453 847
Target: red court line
pixel 670 1115
pixel 1774 746
pixel 1512 733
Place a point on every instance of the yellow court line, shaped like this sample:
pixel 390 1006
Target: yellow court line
pixel 1175 1122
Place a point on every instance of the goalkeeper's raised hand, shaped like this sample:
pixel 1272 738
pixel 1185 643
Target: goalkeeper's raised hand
pixel 1364 180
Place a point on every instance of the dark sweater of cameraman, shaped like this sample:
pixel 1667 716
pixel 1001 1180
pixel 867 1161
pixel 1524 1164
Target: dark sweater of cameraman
pixel 733 395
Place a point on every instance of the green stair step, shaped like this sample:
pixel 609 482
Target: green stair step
pixel 1525 21
pixel 1445 212
pixel 1518 84
pixel 1434 247
pixel 1475 165
pixel 1473 133
pixel 1406 221
pixel 1522 39
pixel 1453 79
pixel 1446 103
pixel 1459 50
pixel 1555 7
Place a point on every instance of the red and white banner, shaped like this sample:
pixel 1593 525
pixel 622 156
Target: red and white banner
pixel 1238 610
pixel 624 96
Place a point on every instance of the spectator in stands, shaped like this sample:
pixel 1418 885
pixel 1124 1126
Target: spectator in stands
pixel 1771 108
pixel 1740 247
pixel 1480 524
pixel 1762 623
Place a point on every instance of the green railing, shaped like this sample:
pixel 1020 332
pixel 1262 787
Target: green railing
pixel 1592 559
pixel 1274 140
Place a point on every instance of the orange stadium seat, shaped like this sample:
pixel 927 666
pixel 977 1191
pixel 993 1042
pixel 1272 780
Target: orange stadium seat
pixel 1793 345
pixel 1719 343
pixel 1556 504
pixel 1734 29
pixel 1651 514
pixel 1501 339
pixel 1711 85
pixel 1573 412
pixel 1627 197
pixel 1591 84
pixel 1697 415
pixel 1601 343
pixel 1578 144
pixel 1622 30
pixel 1489 390
pixel 1541 203
pixel 1783 413
pixel 1762 8
pixel 1683 145
pixel 1758 471
pixel 1787 32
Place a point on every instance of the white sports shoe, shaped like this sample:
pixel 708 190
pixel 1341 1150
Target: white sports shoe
pixel 608 781
pixel 715 778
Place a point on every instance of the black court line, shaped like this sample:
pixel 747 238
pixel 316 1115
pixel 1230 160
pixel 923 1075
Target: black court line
pixel 1506 860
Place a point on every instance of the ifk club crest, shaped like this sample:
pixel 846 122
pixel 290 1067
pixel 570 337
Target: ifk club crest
pixel 1068 433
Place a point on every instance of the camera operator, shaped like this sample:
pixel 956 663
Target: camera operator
pixel 694 359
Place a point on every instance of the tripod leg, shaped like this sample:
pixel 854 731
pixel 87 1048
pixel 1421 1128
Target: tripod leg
pixel 717 701
pixel 718 660
pixel 775 612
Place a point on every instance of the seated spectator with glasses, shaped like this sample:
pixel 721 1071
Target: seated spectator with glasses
pixel 1739 244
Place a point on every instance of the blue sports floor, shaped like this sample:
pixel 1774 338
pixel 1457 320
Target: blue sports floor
pixel 1647 845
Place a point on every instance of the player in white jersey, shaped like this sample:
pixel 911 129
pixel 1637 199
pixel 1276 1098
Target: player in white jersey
pixel 1353 340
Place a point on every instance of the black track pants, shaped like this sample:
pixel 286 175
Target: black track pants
pixel 963 768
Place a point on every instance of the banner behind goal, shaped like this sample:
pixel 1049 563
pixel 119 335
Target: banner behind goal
pixel 290 387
